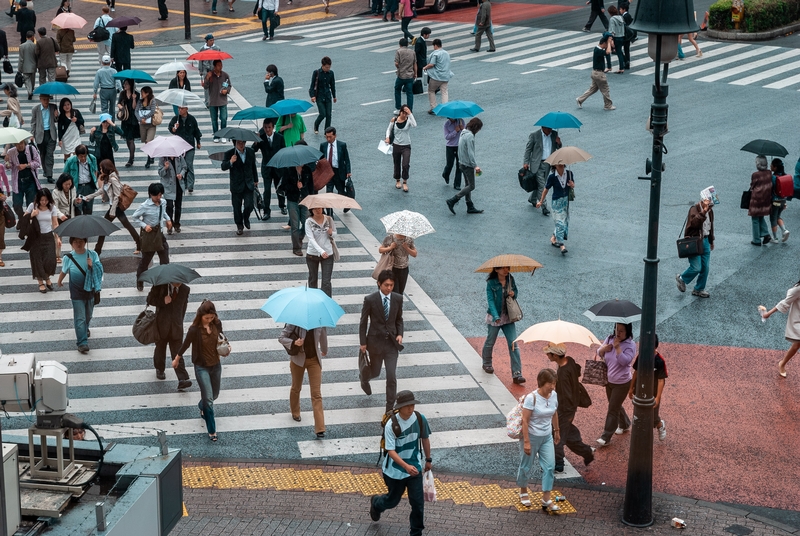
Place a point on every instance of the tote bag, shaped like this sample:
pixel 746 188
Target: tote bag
pixel 595 372
pixel 385 263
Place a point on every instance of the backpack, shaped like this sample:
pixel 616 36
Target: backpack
pixel 631 35
pixel 396 429
pixel 514 419
pixel 100 33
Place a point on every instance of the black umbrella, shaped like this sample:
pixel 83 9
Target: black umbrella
pixel 236 133
pixel 766 147
pixel 218 157
pixel 614 311
pixel 86 226
pixel 123 22
pixel 297 155
pixel 168 273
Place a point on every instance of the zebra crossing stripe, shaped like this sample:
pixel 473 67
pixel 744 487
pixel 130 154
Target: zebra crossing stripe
pixel 722 62
pixel 546 45
pixel 769 73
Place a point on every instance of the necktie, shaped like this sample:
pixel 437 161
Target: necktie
pixel 330 154
pixel 386 307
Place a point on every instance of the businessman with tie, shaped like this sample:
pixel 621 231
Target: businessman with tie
pixel 383 311
pixel 339 159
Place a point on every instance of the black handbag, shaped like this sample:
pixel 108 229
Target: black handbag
pixel 349 189
pixel 745 202
pixel 7 67
pixel 8 216
pixel 364 365
pixel 690 245
pixel 527 180
pixel 584 400
pixel 19 80
pixel 293 349
pixel 417 87
pixel 145 327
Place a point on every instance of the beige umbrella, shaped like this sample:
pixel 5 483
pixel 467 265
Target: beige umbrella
pixel 567 156
pixel 558 331
pixel 329 200
pixel 517 263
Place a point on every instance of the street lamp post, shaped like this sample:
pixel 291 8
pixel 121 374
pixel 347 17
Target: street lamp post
pixel 663 21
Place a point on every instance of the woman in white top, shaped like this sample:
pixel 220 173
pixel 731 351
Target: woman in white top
pixel 110 187
pixel 145 109
pixel 790 305
pixel 321 233
pixel 64 198
pixel 12 111
pixel 399 136
pixel 43 249
pixel 539 430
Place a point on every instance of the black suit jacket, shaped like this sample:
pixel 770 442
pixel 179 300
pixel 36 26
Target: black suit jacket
pixel 3 43
pixel 121 45
pixel 274 90
pixel 26 19
pixel 268 149
pixel 243 176
pixel 343 157
pixel 169 316
pixel 382 333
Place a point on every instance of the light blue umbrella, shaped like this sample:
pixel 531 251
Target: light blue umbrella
pixel 291 106
pixel 255 112
pixel 56 88
pixel 458 109
pixel 136 76
pixel 557 120
pixel 306 307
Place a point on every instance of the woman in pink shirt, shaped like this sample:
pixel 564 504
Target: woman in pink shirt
pixel 618 351
pixel 406 14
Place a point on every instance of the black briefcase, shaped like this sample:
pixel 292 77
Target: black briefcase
pixel 417 89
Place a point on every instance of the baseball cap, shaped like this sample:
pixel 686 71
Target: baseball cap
pixel 106 58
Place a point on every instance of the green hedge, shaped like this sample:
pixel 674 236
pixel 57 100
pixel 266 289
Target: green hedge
pixel 759 15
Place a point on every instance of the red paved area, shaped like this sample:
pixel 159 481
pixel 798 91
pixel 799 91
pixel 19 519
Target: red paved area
pixel 732 426
pixel 504 13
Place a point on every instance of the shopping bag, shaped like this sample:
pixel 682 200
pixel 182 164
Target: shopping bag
pixel 385 263
pixel 595 372
pixel 428 487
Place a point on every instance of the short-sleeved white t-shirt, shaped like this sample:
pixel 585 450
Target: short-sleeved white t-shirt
pixel 541 422
pixel 45 218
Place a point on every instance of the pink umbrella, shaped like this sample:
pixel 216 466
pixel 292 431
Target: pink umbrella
pixel 69 21
pixel 166 146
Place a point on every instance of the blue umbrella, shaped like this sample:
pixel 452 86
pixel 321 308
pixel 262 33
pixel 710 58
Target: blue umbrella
pixel 56 88
pixel 458 109
pixel 297 155
pixel 136 76
pixel 306 307
pixel 557 120
pixel 291 106
pixel 255 112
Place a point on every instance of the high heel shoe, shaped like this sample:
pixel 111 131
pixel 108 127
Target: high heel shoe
pixel 129 163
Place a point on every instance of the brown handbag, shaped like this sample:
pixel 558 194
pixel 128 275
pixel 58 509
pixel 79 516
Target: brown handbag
pixel 153 241
pixel 126 197
pixel 322 174
pixel 595 372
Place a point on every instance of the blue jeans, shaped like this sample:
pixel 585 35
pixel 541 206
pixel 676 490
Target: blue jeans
pixel 81 316
pixel 407 85
pixel 27 193
pixel 547 461
pixel 510 333
pixel 415 498
pixel 85 207
pixel 760 228
pixel 208 379
pixel 219 114
pixel 698 267
pixel 297 220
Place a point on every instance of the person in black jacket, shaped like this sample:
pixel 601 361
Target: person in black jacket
pixel 339 158
pixel 273 85
pixel 323 91
pixel 26 20
pixel 184 125
pixel 121 46
pixel 170 301
pixel 421 49
pixel 296 184
pixel 3 45
pixel 598 10
pixel 241 161
pixel 271 142
pixel 568 389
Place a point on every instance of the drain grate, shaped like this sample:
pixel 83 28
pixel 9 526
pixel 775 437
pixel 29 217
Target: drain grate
pixel 739 530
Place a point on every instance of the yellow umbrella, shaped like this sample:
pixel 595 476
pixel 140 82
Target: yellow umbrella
pixel 558 331
pixel 567 156
pixel 518 263
pixel 329 200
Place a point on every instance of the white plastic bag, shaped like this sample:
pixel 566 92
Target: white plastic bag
pixel 428 487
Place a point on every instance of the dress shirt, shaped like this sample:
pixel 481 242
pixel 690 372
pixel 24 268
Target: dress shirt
pixel 440 59
pixel 241 155
pixel 147 214
pixel 104 79
pixel 45 117
pixel 547 146
pixel 84 177
pixel 334 157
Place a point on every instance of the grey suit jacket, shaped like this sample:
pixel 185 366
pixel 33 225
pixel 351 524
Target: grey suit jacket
pixel 37 127
pixel 320 338
pixel 381 336
pixel 27 57
pixel 533 150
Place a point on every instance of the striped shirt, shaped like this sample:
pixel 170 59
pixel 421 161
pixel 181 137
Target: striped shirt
pixel 407 445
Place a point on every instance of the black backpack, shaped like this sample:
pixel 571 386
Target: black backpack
pixel 100 33
pixel 396 429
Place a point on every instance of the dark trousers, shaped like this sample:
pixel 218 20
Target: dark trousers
pixel 162 9
pixel 401 156
pixel 388 355
pixel 270 177
pixel 593 16
pixel 542 172
pixel 616 416
pixel 119 66
pixel 376 7
pixel 619 47
pixel 268 15
pixel 46 150
pixel 626 50
pixel 23 36
pixel 325 111
pixel 160 357
pixel 314 262
pixel 451 153
pixel 189 157
pixel 242 215
pixel 469 180
pixel 404 85
pixel 404 21
pixel 27 194
pixel 85 207
pixel 147 258
pixel 120 215
pixel 174 207
pixel 415 498
pixel 571 438
pixel 400 279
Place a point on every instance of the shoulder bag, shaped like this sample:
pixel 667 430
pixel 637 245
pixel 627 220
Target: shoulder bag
pixel 78 266
pixel 8 216
pixel 153 241
pixel 223 346
pixel 99 33
pixel 513 308
pixel 595 372
pixel 126 197
pixel 514 418
pixel 744 203
pixel 145 327
pixel 158 117
pixel 385 263
pixel 336 255
pixel 322 174
pixel 122 113
pixel 691 245
pixel 293 349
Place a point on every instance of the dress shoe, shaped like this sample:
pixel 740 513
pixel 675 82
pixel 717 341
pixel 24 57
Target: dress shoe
pixel 366 388
pixel 284 211
pixel 488 369
pixel 239 231
pixel 165 18
pixel 492 50
pixel 475 49
pixel 373 513
pixel 139 286
pixel 296 418
pixel 83 349
pixel 472 210
pixel 51 180
pixel 247 223
pixel 160 375
pixel 519 380
pixel 184 384
pixel 452 203
pixel 346 210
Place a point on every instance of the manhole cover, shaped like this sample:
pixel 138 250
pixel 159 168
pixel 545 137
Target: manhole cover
pixel 287 37
pixel 739 530
pixel 120 265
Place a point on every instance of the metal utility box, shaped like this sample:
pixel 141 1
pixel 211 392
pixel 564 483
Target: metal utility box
pixel 16 382
pixel 11 482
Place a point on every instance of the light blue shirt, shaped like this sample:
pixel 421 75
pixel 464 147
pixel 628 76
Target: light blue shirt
pixel 440 59
pixel 241 155
pixel 147 214
pixel 104 79
pixel 45 117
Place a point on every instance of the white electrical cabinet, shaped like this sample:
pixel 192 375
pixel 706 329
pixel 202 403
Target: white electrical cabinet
pixel 11 480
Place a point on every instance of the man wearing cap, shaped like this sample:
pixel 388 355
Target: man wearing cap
pixel 106 85
pixel 383 311
pixel 43 126
pixel 403 469
pixel 206 65
pixel 26 63
pixel 539 147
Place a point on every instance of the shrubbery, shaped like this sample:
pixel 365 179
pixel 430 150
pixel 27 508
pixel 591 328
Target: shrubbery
pixel 759 15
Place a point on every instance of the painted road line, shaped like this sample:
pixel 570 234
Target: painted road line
pixel 361 36
pixel 347 79
pixel 769 73
pixel 290 89
pixel 369 40
pixel 587 59
pixel 461 47
pixel 544 48
pixel 393 71
pixel 786 82
pixel 677 66
pixel 534 71
pixel 484 81
pixel 450 43
pixel 353 27
pixel 561 52
pixel 376 102
pixel 526 39
pixel 706 67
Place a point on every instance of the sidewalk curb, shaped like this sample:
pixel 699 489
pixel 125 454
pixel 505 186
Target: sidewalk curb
pixel 755 36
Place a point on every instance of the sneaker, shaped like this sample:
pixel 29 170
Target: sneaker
pixel 701 293
pixel 681 284
pixel 587 30
pixel 662 431
pixel 184 384
pixel 612 107
pixel 373 513
pixel 620 431
pixel 785 236
pixel 602 442
pixel 112 10
pixel 223 140
pixel 578 100
pixel 216 140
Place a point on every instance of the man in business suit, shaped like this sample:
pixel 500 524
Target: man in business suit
pixel 26 20
pixel 383 310
pixel 540 145
pixel 43 125
pixel 26 63
pixel 339 159
pixel 273 85
pixel 170 301
pixel 271 142
pixel 241 161
pixel 46 59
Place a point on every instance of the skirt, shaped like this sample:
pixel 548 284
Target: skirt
pixel 560 209
pixel 70 139
pixel 43 257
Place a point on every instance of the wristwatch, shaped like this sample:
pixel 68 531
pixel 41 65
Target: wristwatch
pixel 429 460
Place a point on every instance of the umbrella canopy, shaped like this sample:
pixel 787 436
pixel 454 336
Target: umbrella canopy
pixel 168 273
pixel 136 76
pixel 458 109
pixel 516 263
pixel 210 55
pixel 86 226
pixel 306 307
pixel 255 112
pixel 56 88
pixel 166 146
pixel 291 106
pixel 567 156
pixel 123 22
pixel 69 21
pixel 407 223
pixel 296 155
pixel 766 147
pixel 236 133
pixel 557 120
pixel 614 311
pixel 178 97
pixel 329 200
pixel 13 135
pixel 217 157
pixel 174 66
pixel 558 332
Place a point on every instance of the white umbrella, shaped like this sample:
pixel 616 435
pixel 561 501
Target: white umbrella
pixel 407 223
pixel 13 135
pixel 178 97
pixel 175 66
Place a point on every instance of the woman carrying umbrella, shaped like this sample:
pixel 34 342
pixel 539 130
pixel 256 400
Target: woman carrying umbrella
pixel 399 247
pixel 84 269
pixel 618 351
pixel 499 286
pixel 70 123
pixel 172 173
pixel 103 139
pixel 561 182
pixel 760 201
pixel 145 109
pixel 181 81
pixel 12 112
pixel 42 250
pixel 65 37
pixel 306 349
pixel 110 187
pixel 126 106
pixel 321 233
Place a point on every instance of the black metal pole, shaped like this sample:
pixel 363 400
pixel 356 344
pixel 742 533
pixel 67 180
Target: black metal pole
pixel 638 506
pixel 187 20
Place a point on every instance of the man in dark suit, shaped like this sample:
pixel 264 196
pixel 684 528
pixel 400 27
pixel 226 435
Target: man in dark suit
pixel 241 161
pixel 598 10
pixel 44 119
pixel 170 301
pixel 539 147
pixel 121 46
pixel 273 85
pixel 26 20
pixel 339 159
pixel 3 45
pixel 383 310
pixel 271 142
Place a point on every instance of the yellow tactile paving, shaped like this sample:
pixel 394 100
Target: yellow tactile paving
pixel 490 495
